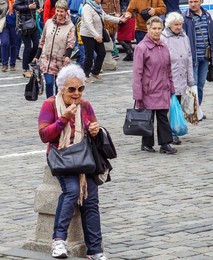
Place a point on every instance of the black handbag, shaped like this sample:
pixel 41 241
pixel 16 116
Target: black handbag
pixel 31 89
pixel 74 159
pixel 106 37
pixel 145 14
pixel 28 25
pixel 138 122
pixel 210 73
pixel 105 145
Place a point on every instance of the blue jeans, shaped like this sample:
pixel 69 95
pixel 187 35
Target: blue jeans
pixel 139 35
pixel 81 55
pixel 18 43
pixel 90 215
pixel 8 46
pixel 49 82
pixel 200 72
pixel 31 42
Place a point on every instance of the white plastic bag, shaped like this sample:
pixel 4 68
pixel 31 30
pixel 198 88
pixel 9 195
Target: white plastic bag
pixel 199 110
pixel 187 102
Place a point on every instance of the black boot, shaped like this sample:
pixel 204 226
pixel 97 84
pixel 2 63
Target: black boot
pixel 128 49
pixel 166 148
pixel 128 57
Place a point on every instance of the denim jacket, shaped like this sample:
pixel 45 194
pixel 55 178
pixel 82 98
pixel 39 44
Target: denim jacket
pixel 189 27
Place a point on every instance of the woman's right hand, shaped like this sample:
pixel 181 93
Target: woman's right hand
pixel 99 39
pixel 70 111
pixel 139 104
pixel 32 6
pixel 35 60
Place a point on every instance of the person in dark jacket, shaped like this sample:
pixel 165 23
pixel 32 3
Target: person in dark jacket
pixel 27 9
pixel 198 25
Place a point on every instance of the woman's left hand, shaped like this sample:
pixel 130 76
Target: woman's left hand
pixel 94 128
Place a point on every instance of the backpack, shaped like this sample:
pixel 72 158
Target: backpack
pixel 3 8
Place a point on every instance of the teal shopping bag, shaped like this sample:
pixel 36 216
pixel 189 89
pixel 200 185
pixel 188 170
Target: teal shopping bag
pixel 176 117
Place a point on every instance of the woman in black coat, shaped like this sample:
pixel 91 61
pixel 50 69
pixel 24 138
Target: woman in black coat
pixel 26 10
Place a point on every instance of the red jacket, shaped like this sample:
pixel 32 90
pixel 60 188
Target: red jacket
pixel 48 11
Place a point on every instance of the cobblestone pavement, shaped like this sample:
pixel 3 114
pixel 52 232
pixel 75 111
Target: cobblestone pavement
pixel 156 206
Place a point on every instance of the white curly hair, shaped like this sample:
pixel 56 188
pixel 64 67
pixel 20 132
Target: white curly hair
pixel 70 71
pixel 173 17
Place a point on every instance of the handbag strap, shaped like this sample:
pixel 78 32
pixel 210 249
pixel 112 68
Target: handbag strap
pixel 134 106
pixel 200 31
pixel 31 11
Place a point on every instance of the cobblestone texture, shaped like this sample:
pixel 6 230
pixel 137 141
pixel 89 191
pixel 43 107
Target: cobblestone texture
pixel 156 207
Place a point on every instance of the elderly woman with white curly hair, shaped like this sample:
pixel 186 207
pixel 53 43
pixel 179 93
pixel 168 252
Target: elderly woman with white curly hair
pixel 63 120
pixel 180 54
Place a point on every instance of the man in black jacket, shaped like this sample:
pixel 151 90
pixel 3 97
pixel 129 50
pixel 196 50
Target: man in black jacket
pixel 27 10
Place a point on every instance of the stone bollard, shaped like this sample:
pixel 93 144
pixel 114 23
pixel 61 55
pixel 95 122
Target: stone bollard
pixel 109 63
pixel 46 199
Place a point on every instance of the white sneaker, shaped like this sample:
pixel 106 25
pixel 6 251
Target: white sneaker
pixel 58 249
pixel 100 256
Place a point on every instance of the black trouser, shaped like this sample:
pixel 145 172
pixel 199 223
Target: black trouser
pixel 127 46
pixel 91 45
pixel 164 131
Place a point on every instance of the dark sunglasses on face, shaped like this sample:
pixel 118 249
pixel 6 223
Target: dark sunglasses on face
pixel 73 89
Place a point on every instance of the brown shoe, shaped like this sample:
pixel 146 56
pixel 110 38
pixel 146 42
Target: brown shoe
pixel 4 68
pixel 89 80
pixel 27 74
pixel 12 68
pixel 97 77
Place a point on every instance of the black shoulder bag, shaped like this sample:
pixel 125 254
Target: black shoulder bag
pixel 210 72
pixel 28 27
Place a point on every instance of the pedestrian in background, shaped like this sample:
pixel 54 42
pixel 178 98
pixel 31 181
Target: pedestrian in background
pixel 56 45
pixel 27 10
pixel 73 7
pixel 172 6
pixel 49 9
pixel 152 84
pixel 8 39
pixel 112 7
pixel 198 25
pixel 126 33
pixel 91 33
pixel 181 58
pixel 155 7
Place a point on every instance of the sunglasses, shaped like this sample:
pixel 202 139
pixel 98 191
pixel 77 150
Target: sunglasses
pixel 73 89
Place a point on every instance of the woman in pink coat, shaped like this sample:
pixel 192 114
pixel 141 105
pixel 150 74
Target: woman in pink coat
pixel 153 85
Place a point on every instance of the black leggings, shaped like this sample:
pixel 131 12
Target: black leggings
pixel 91 45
